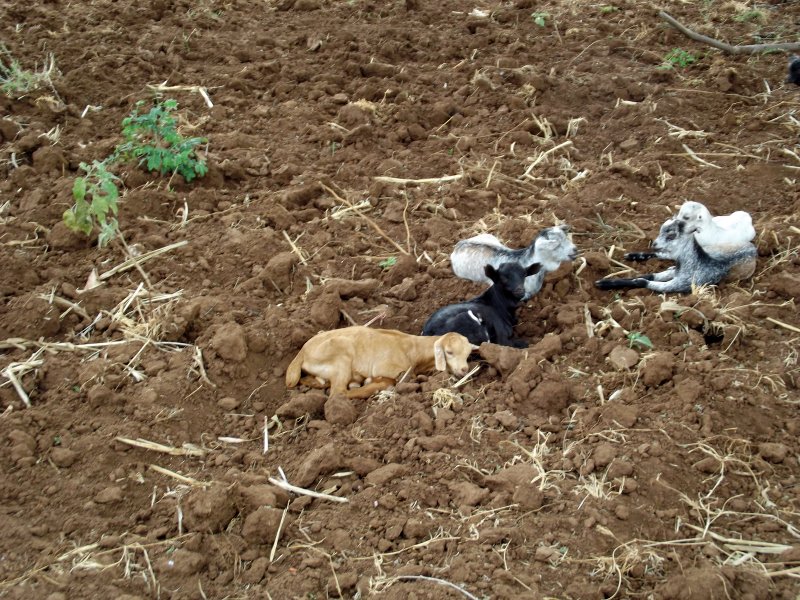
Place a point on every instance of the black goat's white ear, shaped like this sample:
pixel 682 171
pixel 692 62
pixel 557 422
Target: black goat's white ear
pixel 533 269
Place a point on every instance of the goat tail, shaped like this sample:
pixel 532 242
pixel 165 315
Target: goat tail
pixel 294 369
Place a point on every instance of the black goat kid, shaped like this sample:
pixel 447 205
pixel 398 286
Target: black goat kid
pixel 491 316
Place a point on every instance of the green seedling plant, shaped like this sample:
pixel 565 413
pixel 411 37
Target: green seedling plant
pixel 636 338
pixel 15 81
pixel 388 263
pixel 540 18
pixel 678 57
pixel 95 195
pixel 154 140
pixel 754 16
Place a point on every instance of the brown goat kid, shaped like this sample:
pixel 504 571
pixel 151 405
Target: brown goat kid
pixel 373 358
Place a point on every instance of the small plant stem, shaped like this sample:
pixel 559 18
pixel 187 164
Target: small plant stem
pixel 129 254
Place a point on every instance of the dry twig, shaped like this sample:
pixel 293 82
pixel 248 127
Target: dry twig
pixel 369 221
pixel 704 39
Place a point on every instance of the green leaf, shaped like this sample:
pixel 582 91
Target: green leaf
pixel 79 188
pixel 110 189
pixel 107 232
pixel 69 219
pixel 388 263
pixel 99 207
pixel 153 138
pixel 638 338
pixel 540 18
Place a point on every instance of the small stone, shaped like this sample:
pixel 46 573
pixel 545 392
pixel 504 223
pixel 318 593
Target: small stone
pixel 228 403
pixel 22 438
pixel 210 509
pixel 773 452
pixel 181 562
pixel 708 465
pixel 340 410
pixel 385 474
pixel 549 346
pixel 658 369
pixel 256 572
pixel 623 358
pixel 230 342
pixel 543 553
pixel 468 494
pixel 628 485
pixel 99 395
pixel 619 468
pixel 63 457
pixel 362 465
pixel 507 419
pixel 254 497
pixel 109 495
pixel 604 454
pixel 528 497
pixel 503 358
pixel 61 237
pixel 148 396
pixel 261 526
pixel 322 460
pixel 551 396
pixel 311 403
pixel 415 528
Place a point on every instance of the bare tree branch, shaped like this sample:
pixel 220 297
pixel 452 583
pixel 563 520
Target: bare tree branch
pixel 748 49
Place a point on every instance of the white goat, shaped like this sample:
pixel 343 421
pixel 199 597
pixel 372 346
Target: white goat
pixel 693 265
pixel 550 248
pixel 721 235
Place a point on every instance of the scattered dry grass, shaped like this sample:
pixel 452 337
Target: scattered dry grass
pixel 537 456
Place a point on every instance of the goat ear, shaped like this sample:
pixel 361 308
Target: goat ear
pixel 490 271
pixel 533 269
pixel 438 356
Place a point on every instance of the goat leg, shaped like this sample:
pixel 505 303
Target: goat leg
pixel 678 286
pixel 622 282
pixel 667 275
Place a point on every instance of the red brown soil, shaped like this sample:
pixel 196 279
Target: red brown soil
pixel 578 468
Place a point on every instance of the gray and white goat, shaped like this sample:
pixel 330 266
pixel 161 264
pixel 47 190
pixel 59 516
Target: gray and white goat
pixel 550 248
pixel 720 236
pixel 693 265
